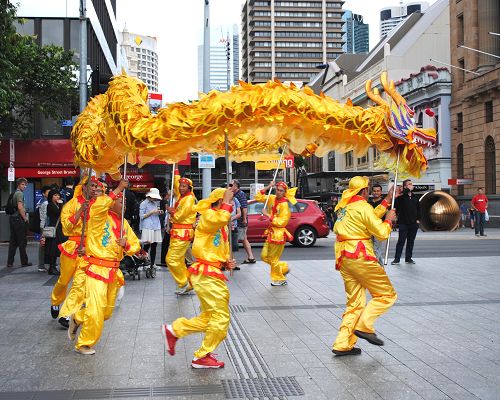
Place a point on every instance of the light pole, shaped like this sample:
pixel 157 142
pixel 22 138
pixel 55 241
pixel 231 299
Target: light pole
pixel 207 172
pixel 83 55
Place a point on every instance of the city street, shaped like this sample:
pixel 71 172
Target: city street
pixel 441 337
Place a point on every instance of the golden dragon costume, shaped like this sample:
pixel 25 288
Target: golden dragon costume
pixel 258 119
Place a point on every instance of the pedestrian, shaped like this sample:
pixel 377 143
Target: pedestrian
pixel 52 252
pixel 182 216
pixel 235 186
pixel 464 214
pixel 375 201
pixel 329 216
pixel 18 222
pixel 278 212
pixel 131 209
pixel 211 249
pixel 408 214
pixel 150 225
pixel 480 205
pixel 71 221
pixel 67 191
pixel 356 223
pixel 42 211
pixel 471 217
pixel 104 249
pixel 165 228
pixel 235 216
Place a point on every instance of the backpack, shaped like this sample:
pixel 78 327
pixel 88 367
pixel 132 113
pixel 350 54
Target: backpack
pixel 35 221
pixel 10 207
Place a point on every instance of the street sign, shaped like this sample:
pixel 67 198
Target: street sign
pixel 206 160
pixel 460 181
pixel 288 162
pixel 11 174
pixel 66 122
pixel 254 188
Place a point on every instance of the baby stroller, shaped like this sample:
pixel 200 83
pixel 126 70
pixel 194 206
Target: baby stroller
pixel 132 265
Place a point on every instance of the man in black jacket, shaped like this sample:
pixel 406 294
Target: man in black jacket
pixel 408 213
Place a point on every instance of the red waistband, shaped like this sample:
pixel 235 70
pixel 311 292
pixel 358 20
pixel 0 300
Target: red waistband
pixel 182 226
pixel 343 239
pixel 101 262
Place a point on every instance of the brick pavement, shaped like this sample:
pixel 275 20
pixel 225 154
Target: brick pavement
pixel 441 339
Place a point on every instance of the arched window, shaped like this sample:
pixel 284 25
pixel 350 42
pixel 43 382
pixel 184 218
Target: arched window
pixel 460 167
pixel 490 166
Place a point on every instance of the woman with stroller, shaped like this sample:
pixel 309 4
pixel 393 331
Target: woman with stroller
pixel 150 225
pixel 54 207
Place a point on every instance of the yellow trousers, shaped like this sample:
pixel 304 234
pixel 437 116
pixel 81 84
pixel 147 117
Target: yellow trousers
pixel 76 295
pixel 68 267
pixel 271 254
pixel 176 260
pixel 213 294
pixel 100 300
pixel 360 275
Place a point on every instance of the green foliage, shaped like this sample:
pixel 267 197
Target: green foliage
pixel 34 78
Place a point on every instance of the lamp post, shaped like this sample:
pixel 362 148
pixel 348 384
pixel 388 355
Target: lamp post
pixel 207 172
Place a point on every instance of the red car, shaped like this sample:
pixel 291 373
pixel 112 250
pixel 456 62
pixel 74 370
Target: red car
pixel 306 224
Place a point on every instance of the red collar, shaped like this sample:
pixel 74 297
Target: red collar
pixel 178 201
pixel 355 199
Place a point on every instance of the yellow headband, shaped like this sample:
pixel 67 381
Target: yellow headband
pixel 205 204
pixel 356 184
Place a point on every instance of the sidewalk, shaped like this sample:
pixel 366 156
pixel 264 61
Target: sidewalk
pixel 441 339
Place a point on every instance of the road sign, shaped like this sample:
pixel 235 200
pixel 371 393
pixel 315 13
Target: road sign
pixel 288 162
pixel 11 174
pixel 460 181
pixel 66 122
pixel 206 160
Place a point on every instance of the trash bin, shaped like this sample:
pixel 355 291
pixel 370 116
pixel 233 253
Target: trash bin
pixel 4 227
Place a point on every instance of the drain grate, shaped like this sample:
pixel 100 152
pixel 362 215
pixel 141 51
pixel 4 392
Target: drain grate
pixel 261 388
pixel 237 308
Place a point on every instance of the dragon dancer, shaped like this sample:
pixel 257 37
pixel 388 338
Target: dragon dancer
pixel 211 249
pixel 71 221
pixel 182 217
pixel 104 250
pixel 356 223
pixel 278 212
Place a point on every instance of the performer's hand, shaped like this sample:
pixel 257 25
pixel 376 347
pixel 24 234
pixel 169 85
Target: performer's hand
pixel 391 215
pixel 81 251
pixel 122 242
pixel 123 184
pixel 170 210
pixel 230 264
pixel 228 196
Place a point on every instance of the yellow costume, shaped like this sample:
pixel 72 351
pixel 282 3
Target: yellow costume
pixel 181 232
pixel 356 223
pixel 102 261
pixel 211 249
pixel 277 234
pixel 71 228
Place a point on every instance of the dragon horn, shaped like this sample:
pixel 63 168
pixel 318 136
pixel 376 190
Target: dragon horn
pixel 390 89
pixel 374 94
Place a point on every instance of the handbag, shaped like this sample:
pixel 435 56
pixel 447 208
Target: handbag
pixel 49 232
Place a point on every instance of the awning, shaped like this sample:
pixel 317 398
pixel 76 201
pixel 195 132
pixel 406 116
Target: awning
pixel 38 153
pixel 47 172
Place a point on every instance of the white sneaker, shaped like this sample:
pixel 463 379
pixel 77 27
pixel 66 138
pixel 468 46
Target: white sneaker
pixel 184 290
pixel 85 350
pixel 279 283
pixel 73 328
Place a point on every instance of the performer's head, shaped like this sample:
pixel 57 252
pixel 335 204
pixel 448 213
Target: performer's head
pixel 95 188
pixel 358 186
pixel 281 189
pixel 117 205
pixel 185 186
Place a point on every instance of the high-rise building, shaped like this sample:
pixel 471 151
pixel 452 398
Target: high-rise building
pixel 144 48
pixel 390 17
pixel 356 33
pixel 288 39
pixel 224 72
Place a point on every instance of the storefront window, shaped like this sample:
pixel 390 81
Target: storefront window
pixel 52 32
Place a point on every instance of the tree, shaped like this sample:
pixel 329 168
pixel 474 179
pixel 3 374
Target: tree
pixel 33 79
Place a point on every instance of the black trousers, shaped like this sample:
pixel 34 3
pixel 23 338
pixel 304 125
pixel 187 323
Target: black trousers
pixel 164 247
pixel 18 232
pixel 152 253
pixel 407 233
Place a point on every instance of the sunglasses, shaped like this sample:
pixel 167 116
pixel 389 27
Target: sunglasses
pixel 230 185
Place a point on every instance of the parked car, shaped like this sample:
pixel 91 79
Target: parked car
pixel 307 223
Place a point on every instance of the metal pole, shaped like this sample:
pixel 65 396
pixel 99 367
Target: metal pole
pixel 171 199
pixel 207 172
pixel 228 181
pixel 392 206
pixel 85 213
pixel 123 195
pixel 275 175
pixel 83 55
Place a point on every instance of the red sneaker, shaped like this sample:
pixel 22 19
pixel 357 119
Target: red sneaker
pixel 170 338
pixel 209 361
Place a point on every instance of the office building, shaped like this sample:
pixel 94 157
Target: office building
pixel 288 39
pixel 141 54
pixel 356 33
pixel 390 17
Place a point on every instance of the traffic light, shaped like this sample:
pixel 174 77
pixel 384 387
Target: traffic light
pixel 100 82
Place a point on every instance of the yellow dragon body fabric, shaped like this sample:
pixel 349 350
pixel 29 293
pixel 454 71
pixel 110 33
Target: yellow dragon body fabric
pixel 257 119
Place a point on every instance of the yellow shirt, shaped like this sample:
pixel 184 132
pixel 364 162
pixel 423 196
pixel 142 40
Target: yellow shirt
pixel 279 217
pixel 71 227
pixel 355 226
pixel 184 216
pixel 211 242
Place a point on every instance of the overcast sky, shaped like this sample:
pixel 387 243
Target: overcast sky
pixel 178 26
